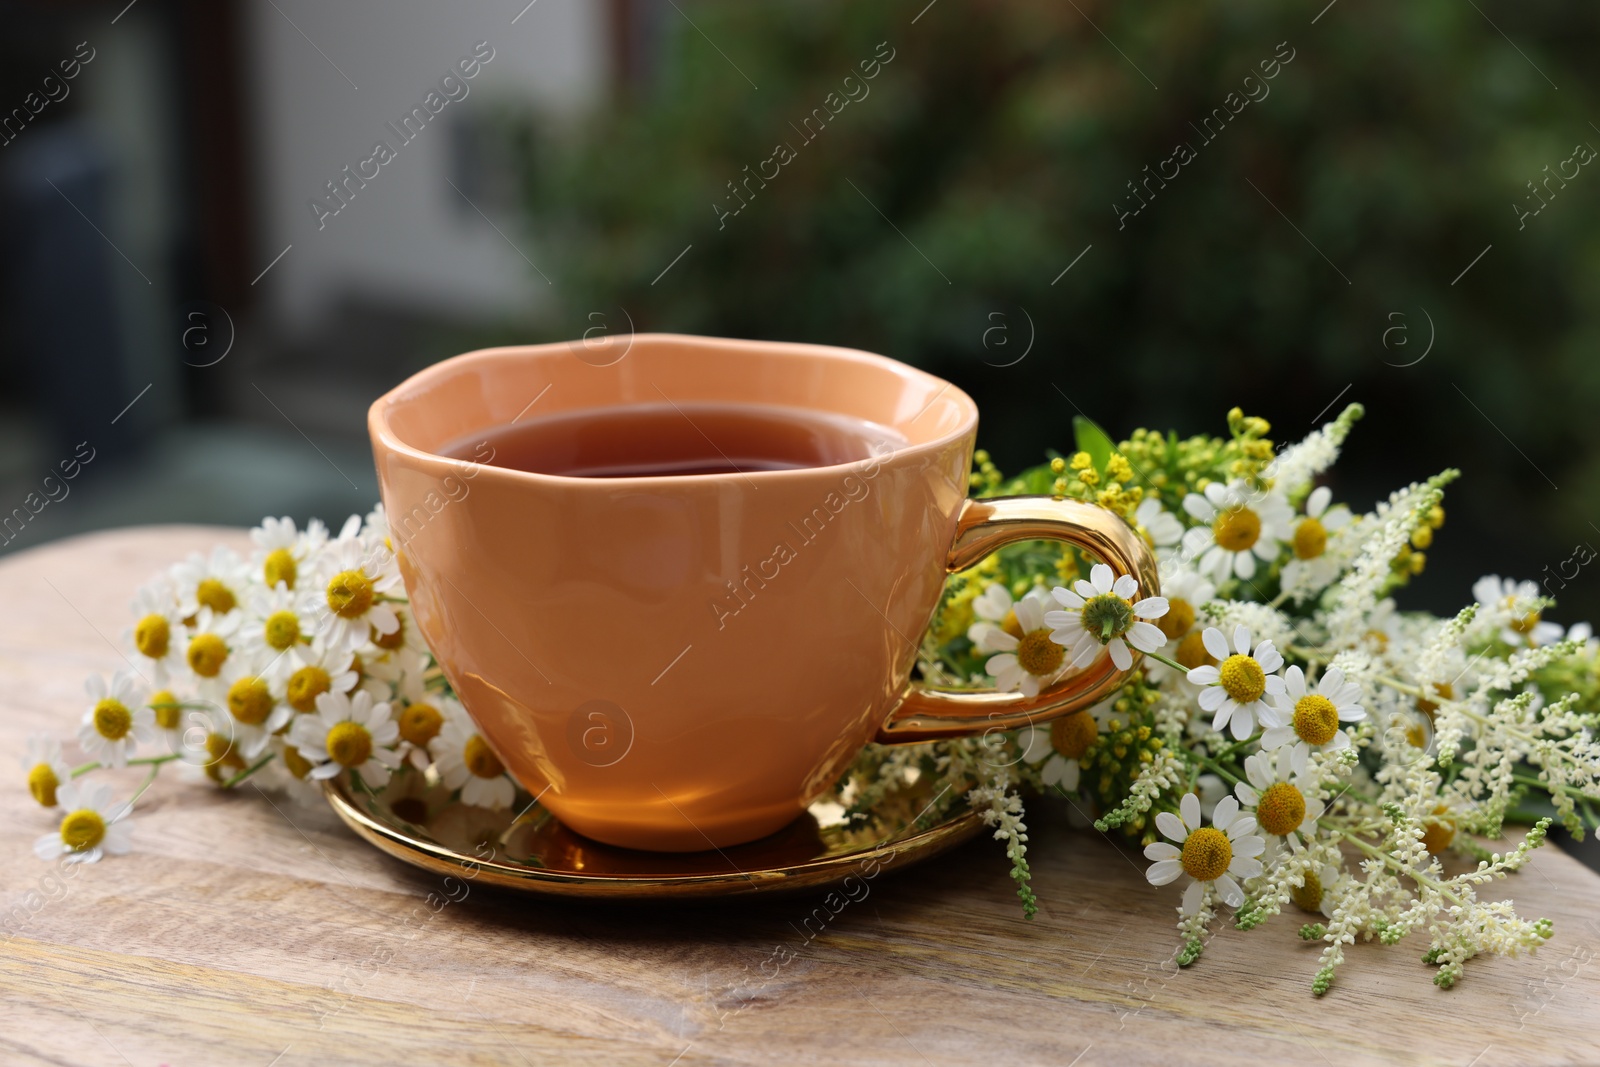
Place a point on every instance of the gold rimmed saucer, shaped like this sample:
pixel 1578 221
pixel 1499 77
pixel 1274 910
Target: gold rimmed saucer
pixel 531 851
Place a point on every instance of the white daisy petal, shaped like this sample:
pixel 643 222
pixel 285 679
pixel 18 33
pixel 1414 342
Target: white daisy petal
pixel 1120 656
pixel 1216 644
pixel 1161 850
pixel 1193 897
pixel 1151 607
pixel 1101 577
pixel 1126 587
pixel 1163 871
pixel 1172 826
pixel 1229 890
pixel 1226 811
pixel 1189 810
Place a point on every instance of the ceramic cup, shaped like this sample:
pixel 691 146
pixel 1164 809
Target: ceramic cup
pixel 686 662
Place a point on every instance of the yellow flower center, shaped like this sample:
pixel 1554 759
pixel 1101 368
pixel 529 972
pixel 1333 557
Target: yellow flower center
pixel 206 655
pixel 1308 897
pixel 165 704
pixel 481 760
pixel 349 744
pixel 1206 854
pixel 305 686
pixel 221 756
pixel 390 642
pixel 1243 679
pixel 152 635
pixel 1237 529
pixel 82 830
pixel 1192 651
pixel 1071 735
pixel 42 783
pixel 1281 809
pixel 419 723
pixel 282 630
pixel 350 594
pixel 1438 834
pixel 249 701
pixel 1310 538
pixel 1377 638
pixel 1039 655
pixel 1316 720
pixel 298 765
pixel 216 596
pixel 1443 689
pixel 112 719
pixel 1178 620
pixel 280 566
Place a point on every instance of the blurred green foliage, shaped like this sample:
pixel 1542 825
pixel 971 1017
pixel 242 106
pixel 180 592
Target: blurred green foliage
pixel 932 219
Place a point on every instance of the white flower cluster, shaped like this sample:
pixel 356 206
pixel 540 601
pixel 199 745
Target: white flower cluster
pixel 297 665
pixel 1301 719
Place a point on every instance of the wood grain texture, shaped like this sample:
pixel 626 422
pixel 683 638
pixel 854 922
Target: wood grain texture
pixel 239 931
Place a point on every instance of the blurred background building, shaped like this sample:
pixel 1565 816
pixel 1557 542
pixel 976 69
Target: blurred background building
pixel 1147 213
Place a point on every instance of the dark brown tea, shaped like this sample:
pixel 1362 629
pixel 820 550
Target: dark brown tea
pixel 657 440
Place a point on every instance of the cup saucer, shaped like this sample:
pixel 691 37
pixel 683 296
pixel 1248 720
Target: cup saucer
pixel 525 848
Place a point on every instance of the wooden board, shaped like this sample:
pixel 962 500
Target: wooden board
pixel 239 931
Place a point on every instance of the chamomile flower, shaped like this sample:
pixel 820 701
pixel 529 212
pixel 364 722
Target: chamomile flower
pixel 322 670
pixel 421 719
pixel 92 826
pixel 167 712
pixel 1187 593
pixel 1208 855
pixel 277 624
pixel 1311 718
pixel 1235 687
pixel 401 651
pixel 1242 527
pixel 217 582
pixel 1315 895
pixel 1102 612
pixel 1026 662
pixel 1518 604
pixel 157 635
pixel 47 771
pixel 348 732
pixel 1276 797
pixel 1159 527
pixel 209 651
pixel 281 550
pixel 355 579
pixel 1317 559
pixel 258 712
pixel 1061 745
pixel 993 609
pixel 118 720
pixel 466 762
pixel 290 773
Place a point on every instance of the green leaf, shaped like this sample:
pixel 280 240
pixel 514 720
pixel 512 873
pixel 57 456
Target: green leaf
pixel 1093 440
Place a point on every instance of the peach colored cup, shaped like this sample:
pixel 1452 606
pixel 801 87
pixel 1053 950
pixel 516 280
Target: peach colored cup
pixel 686 662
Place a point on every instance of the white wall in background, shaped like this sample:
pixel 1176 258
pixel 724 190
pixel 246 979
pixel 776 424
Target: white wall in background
pixel 327 77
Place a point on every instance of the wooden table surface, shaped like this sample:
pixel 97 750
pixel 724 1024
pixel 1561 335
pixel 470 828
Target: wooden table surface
pixel 242 933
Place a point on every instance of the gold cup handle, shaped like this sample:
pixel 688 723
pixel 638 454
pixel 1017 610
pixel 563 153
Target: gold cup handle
pixel 925 713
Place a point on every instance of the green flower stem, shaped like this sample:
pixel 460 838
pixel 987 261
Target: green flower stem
pixel 1174 664
pixel 1216 767
pixel 143 761
pixel 248 771
pixel 155 769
